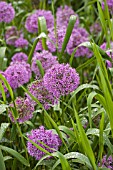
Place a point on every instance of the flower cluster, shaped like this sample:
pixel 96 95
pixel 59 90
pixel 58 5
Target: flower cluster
pixel 47 60
pixel 24 109
pixel 107 162
pixel 38 90
pixel 21 42
pixel 20 56
pixel 31 23
pixel 78 36
pixel 109 52
pixel 53 43
pixel 110 5
pixel 63 14
pixel 18 73
pixel 61 79
pixel 47 137
pixel 7 12
pixel 11 35
pixel 95 28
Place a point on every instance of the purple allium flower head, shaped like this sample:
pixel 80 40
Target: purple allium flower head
pixel 20 56
pixel 61 80
pixel 21 42
pixel 107 162
pixel 38 90
pixel 32 21
pixel 7 12
pixel 110 5
pixel 108 52
pixel 47 137
pixel 52 42
pixel 63 15
pixel 47 60
pixel 11 35
pixel 17 74
pixel 24 109
pixel 78 36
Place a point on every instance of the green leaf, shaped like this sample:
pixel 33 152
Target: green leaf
pixel 2 165
pixel 70 27
pixel 15 154
pixel 3 128
pixel 75 155
pixel 3 108
pixel 40 67
pixel 2 55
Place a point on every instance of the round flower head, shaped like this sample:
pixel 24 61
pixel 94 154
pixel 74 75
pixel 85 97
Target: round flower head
pixel 38 90
pixel 110 5
pixel 21 42
pixel 107 162
pixel 24 108
pixel 61 79
pixel 17 74
pixel 7 12
pixel 47 60
pixel 47 137
pixel 20 57
pixel 78 36
pixel 63 15
pixel 109 52
pixel 52 42
pixel 11 35
pixel 31 23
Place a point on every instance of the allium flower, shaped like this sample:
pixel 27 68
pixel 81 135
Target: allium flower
pixel 21 42
pixel 32 21
pixel 110 5
pixel 47 137
pixel 7 12
pixel 78 36
pixel 61 80
pixel 20 57
pixel 47 60
pixel 39 46
pixel 109 52
pixel 63 15
pixel 17 74
pixel 38 90
pixel 107 162
pixel 11 35
pixel 52 42
pixel 24 108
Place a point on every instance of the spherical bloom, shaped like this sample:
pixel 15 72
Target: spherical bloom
pixel 21 42
pixel 109 52
pixel 78 36
pixel 7 12
pixel 47 137
pixel 63 15
pixel 107 162
pixel 110 5
pixel 38 90
pixel 47 60
pixel 11 35
pixel 31 23
pixel 61 80
pixel 24 108
pixel 20 56
pixel 53 43
pixel 17 74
